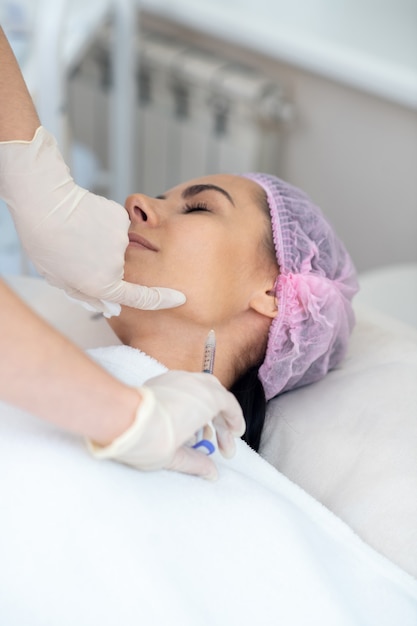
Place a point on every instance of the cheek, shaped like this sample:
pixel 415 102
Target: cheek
pixel 138 266
pixel 214 272
pixel 184 260
pixel 209 274
pixel 221 284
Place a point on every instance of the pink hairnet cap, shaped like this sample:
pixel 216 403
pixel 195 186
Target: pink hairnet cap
pixel 314 289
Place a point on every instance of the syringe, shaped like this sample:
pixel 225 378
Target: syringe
pixel 208 364
pixel 209 353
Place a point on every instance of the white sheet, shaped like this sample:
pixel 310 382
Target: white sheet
pixel 85 542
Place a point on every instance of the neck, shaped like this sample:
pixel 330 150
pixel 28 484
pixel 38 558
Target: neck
pixel 177 344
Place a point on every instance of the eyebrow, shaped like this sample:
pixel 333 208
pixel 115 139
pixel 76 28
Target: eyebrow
pixel 194 190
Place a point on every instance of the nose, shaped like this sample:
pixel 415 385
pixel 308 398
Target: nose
pixel 142 208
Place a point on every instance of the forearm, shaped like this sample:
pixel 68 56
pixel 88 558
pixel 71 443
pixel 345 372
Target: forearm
pixel 44 373
pixel 18 117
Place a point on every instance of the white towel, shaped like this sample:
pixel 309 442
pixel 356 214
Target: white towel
pixel 97 543
pixel 131 366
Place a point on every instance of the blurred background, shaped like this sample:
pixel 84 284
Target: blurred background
pixel 145 94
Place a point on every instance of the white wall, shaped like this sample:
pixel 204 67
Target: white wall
pixel 371 44
pixel 352 148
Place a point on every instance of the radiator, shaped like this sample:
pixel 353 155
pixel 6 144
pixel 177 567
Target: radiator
pixel 197 114
pixel 200 114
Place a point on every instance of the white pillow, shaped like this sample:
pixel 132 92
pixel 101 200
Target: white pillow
pixel 350 440
pixel 400 282
pixel 84 328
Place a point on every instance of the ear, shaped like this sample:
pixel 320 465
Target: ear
pixel 264 301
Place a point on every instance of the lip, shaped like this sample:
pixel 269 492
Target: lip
pixel 140 242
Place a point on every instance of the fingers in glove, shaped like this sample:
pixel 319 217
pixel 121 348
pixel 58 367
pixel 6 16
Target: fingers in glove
pixel 148 298
pixel 230 418
pixel 192 400
pixel 129 294
pixel 108 309
pixel 229 412
pixel 226 441
pixel 189 461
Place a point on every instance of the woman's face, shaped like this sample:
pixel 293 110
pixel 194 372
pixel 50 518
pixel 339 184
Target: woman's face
pixel 205 238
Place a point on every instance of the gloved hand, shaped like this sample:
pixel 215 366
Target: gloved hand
pixel 174 406
pixel 75 239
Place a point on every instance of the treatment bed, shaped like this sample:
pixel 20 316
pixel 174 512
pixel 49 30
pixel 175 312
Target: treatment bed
pixel 320 528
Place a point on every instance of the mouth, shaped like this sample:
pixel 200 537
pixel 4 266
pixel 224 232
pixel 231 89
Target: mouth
pixel 136 241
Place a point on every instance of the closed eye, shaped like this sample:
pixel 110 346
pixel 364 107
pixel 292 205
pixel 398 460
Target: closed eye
pixel 199 206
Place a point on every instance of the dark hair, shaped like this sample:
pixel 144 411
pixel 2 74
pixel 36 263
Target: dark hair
pixel 248 389
pixel 249 392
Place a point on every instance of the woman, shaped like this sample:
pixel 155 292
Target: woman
pixel 257 262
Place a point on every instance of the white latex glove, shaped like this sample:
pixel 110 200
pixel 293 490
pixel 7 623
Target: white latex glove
pixel 75 239
pixel 174 406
